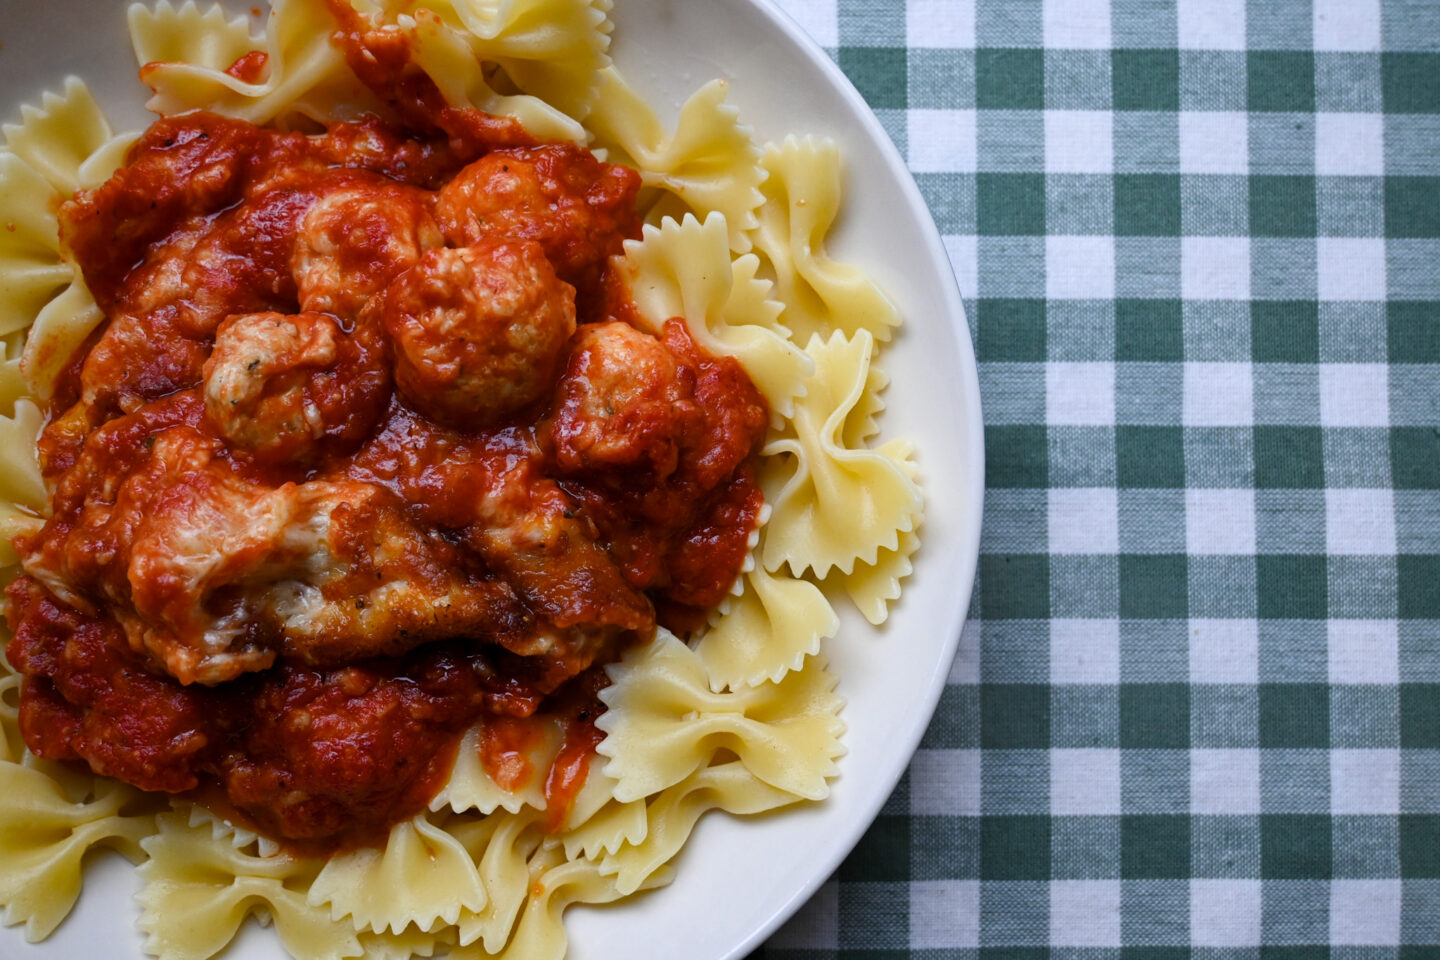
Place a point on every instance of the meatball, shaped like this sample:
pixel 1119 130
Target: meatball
pixel 623 400
pixel 285 388
pixel 355 240
pixel 579 209
pixel 478 331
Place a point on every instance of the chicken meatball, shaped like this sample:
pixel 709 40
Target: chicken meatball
pixel 579 209
pixel 478 331
pixel 355 240
pixel 285 388
pixel 623 400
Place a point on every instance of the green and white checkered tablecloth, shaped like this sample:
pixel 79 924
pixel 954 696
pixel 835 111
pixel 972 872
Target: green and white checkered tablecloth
pixel 1196 710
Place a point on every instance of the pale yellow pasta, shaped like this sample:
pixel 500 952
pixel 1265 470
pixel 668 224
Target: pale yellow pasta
pixel 480 874
pixel 685 270
pixel 224 831
pixel 32 271
pixel 501 845
pixel 64 145
pixel 20 482
pixel 775 623
pixel 404 946
pixel 872 587
pixel 305 74
pixel 164 33
pixel 470 786
pixel 45 836
pixel 609 828
pixel 555 884
pixel 60 329
pixel 22 491
pixel 550 49
pixel 596 794
pixel 12 748
pixel 196 893
pixel 802 200
pixel 834 505
pixel 12 384
pixel 422 876
pixel 863 422
pixel 674 813
pixel 56 139
pixel 664 723
pixel 710 163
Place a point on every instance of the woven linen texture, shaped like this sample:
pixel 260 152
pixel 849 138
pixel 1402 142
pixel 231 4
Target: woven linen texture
pixel 1196 709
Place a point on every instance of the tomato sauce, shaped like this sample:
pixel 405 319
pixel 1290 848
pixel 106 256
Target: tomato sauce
pixel 370 448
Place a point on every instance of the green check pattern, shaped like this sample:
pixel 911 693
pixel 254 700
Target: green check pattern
pixel 1196 709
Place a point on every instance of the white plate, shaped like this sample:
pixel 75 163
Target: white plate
pixel 737 879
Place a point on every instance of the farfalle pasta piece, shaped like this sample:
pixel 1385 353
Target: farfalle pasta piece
pixel 60 328
pixel 674 813
pixel 164 33
pixel 556 884
pixel 833 505
pixel 14 522
pixel 684 269
pixel 44 837
pixel 608 829
pixel 863 422
pixel 58 139
pixel 12 385
pixel 304 74
pixel 664 723
pixel 471 786
pixel 487 872
pixel 710 163
pixel 423 876
pixel 20 482
pixel 501 845
pixel 196 893
pixel 32 271
pixel 873 586
pixel 56 149
pixel 552 50
pixel 775 623
pixel 802 200
pixel 225 831
pixel 12 747
pixel 446 56
pixel 405 945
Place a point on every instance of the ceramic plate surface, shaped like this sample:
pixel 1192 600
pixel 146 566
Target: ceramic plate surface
pixel 737 879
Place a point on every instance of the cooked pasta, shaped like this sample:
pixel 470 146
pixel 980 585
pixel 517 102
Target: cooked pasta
pixel 740 715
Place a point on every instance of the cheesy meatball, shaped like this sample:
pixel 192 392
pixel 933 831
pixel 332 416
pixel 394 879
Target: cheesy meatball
pixel 355 240
pixel 576 207
pixel 282 388
pixel 479 331
pixel 623 400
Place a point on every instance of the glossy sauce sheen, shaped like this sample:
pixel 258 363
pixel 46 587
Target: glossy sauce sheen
pixel 368 449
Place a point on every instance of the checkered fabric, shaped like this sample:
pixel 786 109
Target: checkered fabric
pixel 1196 710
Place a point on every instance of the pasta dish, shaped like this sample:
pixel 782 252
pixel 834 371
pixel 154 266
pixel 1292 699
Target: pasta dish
pixel 427 479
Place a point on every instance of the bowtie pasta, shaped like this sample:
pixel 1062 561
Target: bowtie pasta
pixel 739 712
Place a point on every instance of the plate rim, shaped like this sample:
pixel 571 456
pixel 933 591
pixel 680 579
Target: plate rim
pixel 974 458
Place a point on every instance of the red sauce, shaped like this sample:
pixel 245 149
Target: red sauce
pixel 305 531
pixel 505 747
pixel 572 763
pixel 249 67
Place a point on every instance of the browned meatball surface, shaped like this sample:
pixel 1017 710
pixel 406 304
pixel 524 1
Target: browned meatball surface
pixel 478 331
pixel 579 209
pixel 277 386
